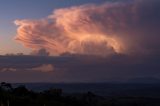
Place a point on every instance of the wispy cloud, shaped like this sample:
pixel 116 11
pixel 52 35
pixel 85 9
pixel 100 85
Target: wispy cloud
pixel 43 68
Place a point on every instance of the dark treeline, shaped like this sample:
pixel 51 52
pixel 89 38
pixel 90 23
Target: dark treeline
pixel 21 96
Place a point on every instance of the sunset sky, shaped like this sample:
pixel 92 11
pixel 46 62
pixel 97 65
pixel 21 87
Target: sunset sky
pixel 69 40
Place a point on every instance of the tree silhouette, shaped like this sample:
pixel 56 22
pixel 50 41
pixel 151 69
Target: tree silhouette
pixel 21 96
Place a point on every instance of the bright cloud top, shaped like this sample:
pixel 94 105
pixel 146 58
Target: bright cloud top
pixel 106 29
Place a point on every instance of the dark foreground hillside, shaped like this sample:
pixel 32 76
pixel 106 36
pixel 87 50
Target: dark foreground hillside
pixel 21 96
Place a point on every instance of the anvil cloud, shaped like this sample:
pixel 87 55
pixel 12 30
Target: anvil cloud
pixel 126 27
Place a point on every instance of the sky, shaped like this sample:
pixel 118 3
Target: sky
pixel 69 40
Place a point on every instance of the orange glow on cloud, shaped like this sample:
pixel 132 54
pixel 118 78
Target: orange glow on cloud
pixel 69 30
pixel 88 29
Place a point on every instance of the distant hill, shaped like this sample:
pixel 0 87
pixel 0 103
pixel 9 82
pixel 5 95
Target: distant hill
pixel 144 80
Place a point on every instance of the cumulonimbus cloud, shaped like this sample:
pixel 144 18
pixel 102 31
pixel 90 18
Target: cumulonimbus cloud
pixel 113 27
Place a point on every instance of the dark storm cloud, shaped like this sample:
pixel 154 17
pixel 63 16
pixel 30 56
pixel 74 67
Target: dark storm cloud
pixel 79 68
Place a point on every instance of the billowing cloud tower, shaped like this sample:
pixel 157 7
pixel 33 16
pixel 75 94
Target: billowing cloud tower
pixel 105 29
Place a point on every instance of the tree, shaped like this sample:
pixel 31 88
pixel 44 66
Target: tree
pixel 6 86
pixel 21 91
